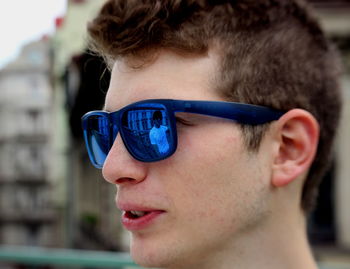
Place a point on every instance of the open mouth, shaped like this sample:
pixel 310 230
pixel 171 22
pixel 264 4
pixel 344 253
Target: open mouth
pixel 134 220
pixel 135 214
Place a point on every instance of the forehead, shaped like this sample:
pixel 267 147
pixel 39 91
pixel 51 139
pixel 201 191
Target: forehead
pixel 166 75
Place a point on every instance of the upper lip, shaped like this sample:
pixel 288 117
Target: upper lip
pixel 125 206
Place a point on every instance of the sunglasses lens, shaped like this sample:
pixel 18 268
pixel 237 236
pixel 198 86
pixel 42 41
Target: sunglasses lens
pixel 97 138
pixel 147 132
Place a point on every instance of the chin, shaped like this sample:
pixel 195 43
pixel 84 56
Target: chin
pixel 149 259
pixel 152 254
pixel 143 252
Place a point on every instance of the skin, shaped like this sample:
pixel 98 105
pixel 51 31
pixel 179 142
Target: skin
pixel 224 207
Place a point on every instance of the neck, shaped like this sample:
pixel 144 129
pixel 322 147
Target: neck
pixel 283 246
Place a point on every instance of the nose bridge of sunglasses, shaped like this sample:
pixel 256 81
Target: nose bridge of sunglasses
pixel 113 126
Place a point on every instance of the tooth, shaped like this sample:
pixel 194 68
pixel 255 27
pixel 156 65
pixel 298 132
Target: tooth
pixel 138 213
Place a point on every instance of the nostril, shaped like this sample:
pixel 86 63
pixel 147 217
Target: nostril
pixel 124 180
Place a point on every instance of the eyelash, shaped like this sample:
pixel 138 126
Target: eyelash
pixel 183 121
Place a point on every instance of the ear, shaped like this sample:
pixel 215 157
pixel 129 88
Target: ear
pixel 297 134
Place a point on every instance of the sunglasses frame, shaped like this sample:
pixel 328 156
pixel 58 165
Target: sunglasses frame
pixel 239 112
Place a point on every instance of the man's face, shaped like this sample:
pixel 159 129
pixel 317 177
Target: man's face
pixel 206 199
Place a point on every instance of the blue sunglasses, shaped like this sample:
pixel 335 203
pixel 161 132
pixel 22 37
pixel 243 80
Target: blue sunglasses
pixel 148 128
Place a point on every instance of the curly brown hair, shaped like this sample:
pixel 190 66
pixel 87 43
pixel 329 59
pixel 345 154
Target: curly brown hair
pixel 273 53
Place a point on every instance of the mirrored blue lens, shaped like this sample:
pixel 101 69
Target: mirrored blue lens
pixel 147 132
pixel 97 138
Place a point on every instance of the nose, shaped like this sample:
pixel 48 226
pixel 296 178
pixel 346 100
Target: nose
pixel 121 168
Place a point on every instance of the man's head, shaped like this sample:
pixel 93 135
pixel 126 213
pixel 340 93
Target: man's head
pixel 224 181
pixel 271 52
pixel 157 118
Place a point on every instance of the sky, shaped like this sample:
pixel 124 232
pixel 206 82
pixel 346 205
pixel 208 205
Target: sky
pixel 23 21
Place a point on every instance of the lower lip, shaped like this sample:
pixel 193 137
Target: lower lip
pixel 141 222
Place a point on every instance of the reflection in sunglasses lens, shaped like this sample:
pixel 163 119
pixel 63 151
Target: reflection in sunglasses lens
pixel 147 132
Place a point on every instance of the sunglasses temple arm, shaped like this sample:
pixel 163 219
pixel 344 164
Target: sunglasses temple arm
pixel 242 113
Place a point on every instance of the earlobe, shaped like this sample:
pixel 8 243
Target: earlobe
pixel 297 134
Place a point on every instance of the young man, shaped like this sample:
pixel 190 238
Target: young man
pixel 239 178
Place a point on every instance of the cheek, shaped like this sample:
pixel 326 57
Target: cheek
pixel 217 173
pixel 211 157
pixel 210 168
pixel 212 143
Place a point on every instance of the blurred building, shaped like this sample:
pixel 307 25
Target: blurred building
pixel 80 82
pixel 330 223
pixel 27 215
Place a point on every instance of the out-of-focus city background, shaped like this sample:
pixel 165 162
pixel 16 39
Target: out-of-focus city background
pixel 56 211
